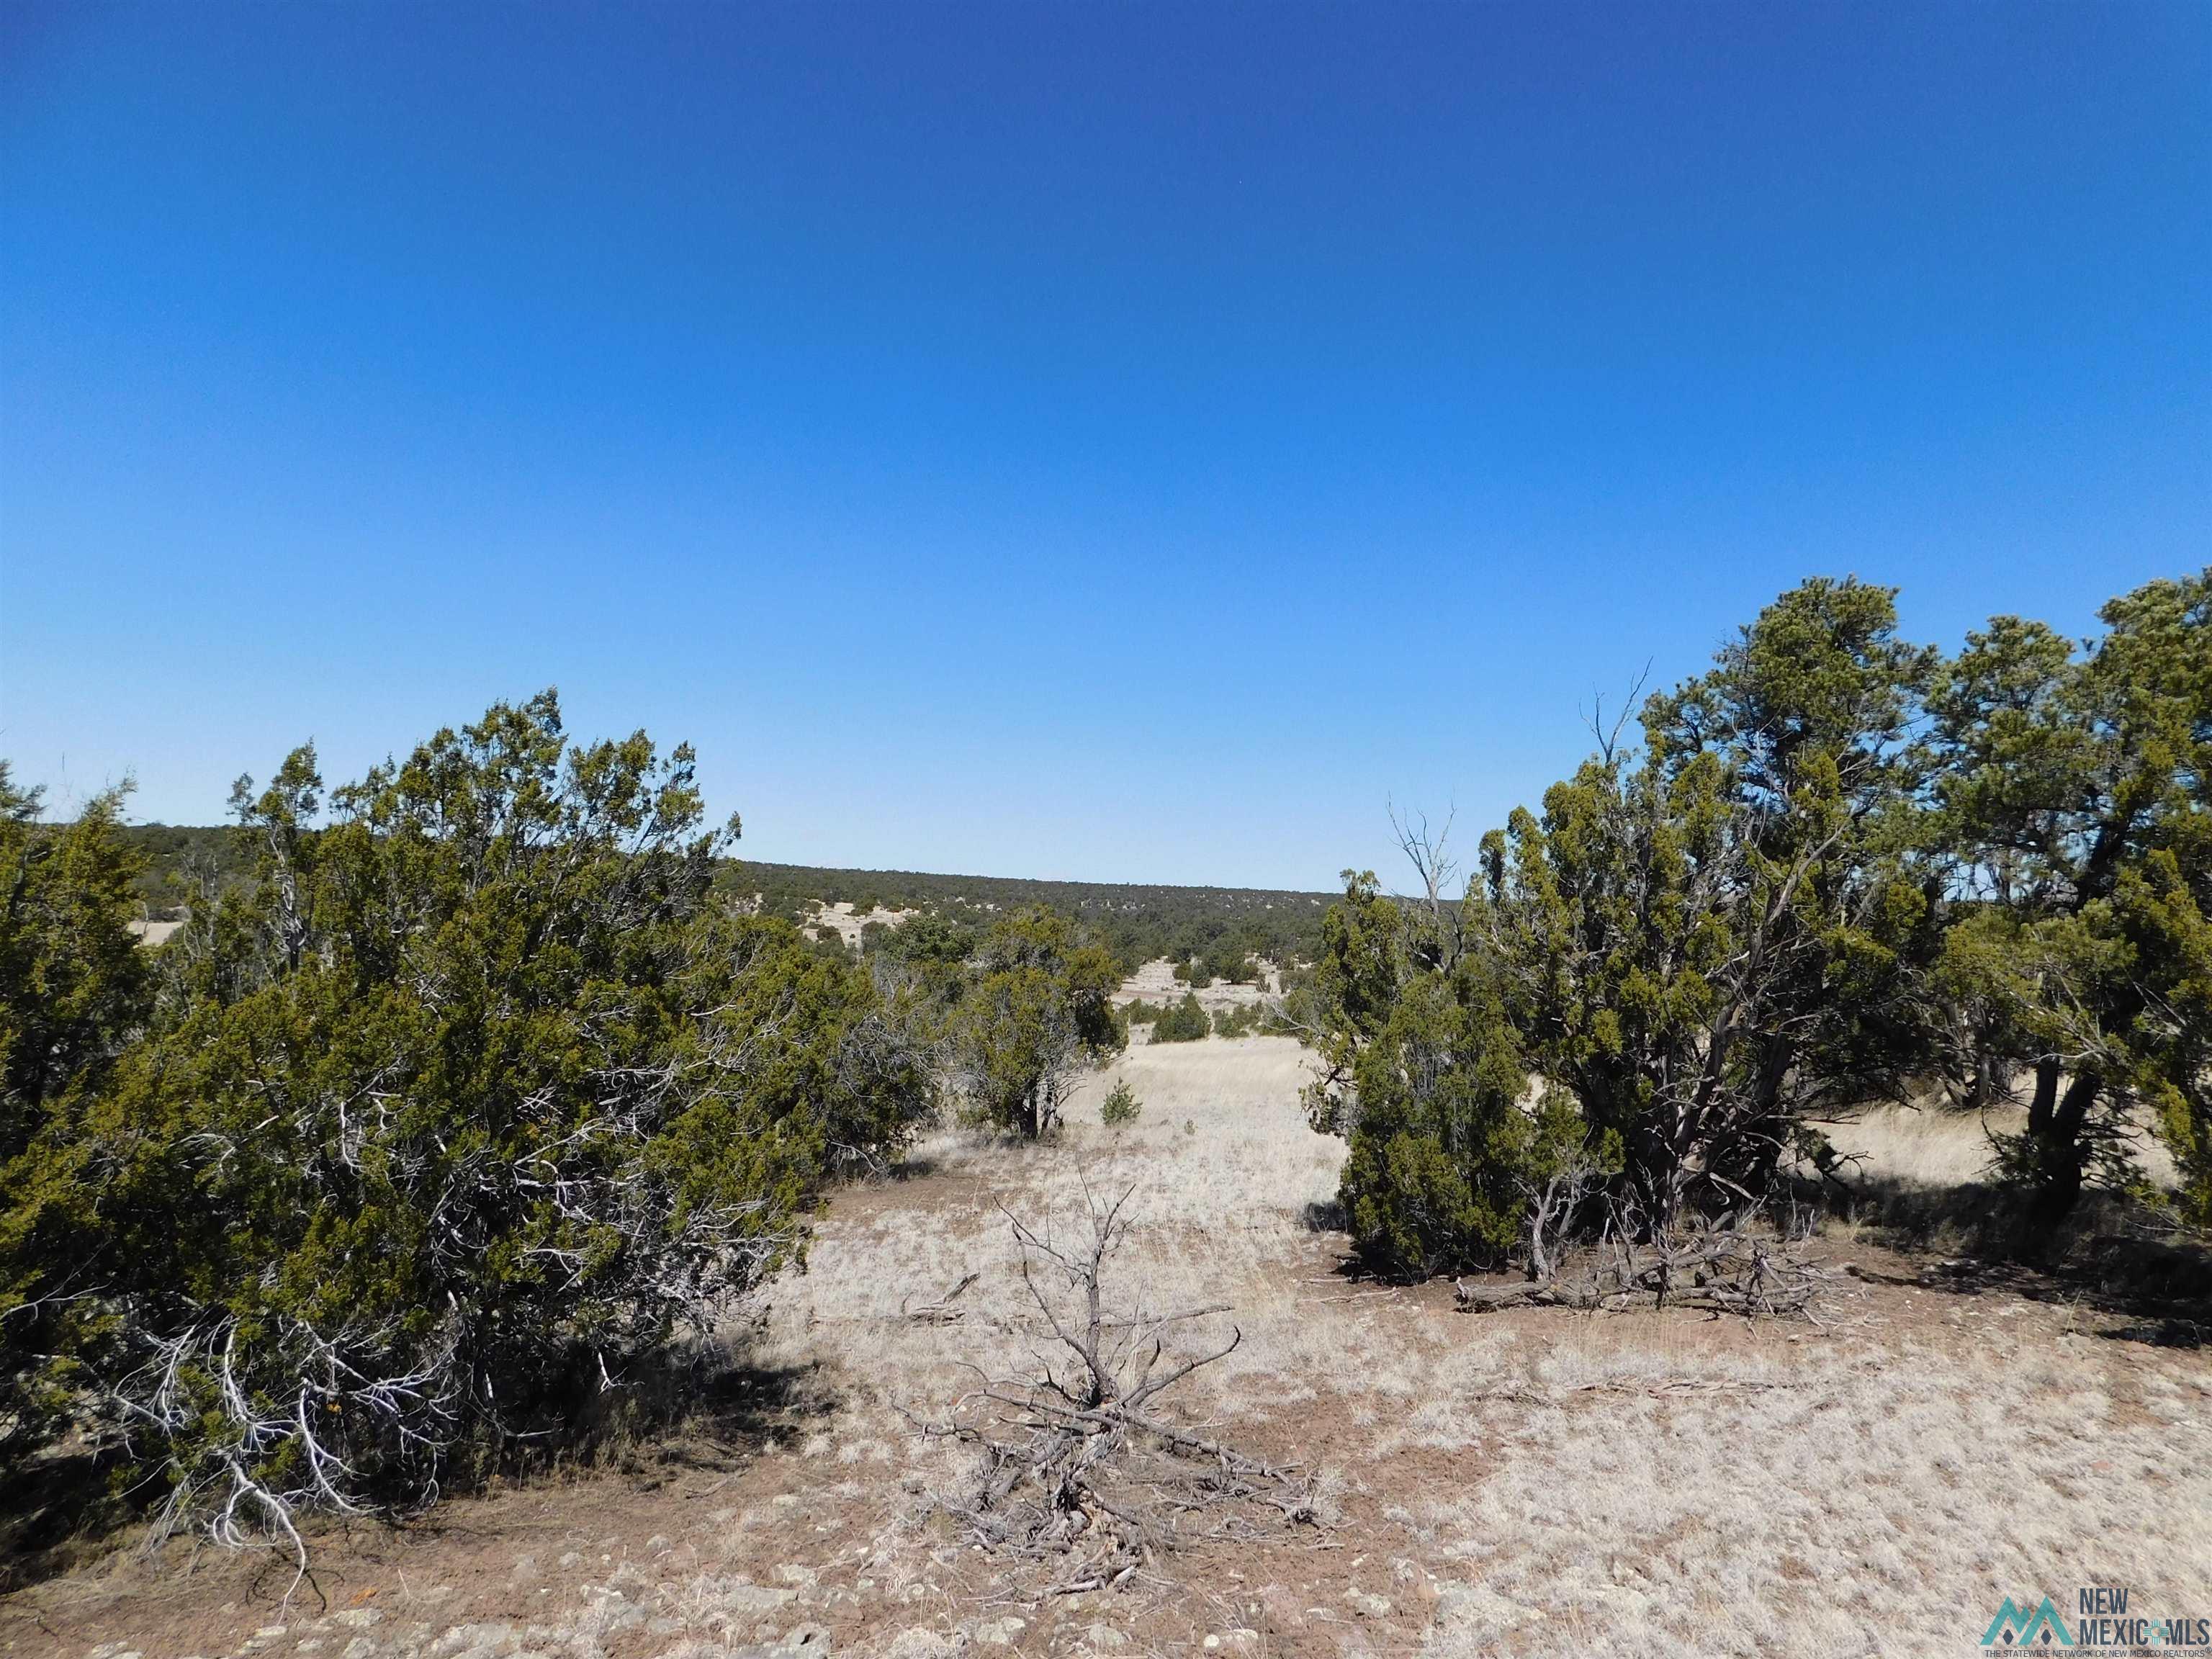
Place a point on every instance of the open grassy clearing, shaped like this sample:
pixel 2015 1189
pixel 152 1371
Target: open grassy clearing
pixel 1529 1483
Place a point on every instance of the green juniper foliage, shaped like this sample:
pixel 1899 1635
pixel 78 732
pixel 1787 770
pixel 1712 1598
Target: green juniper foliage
pixel 1835 866
pixel 74 989
pixel 1120 1106
pixel 1423 1077
pixel 459 1116
pixel 1034 1010
pixel 1239 1021
pixel 1182 1022
pixel 2077 787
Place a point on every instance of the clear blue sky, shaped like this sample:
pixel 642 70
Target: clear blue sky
pixel 1077 441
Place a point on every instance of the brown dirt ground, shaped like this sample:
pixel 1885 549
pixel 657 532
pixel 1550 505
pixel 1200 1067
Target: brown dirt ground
pixel 755 1527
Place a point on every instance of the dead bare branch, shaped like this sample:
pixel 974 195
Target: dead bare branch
pixel 1720 1273
pixel 1081 1477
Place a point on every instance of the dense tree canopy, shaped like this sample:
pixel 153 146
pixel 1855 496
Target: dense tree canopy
pixel 460 1113
pixel 1835 868
pixel 74 988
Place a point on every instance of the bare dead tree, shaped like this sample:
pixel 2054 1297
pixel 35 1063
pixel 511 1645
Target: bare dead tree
pixel 1429 852
pixel 1083 1475
pixel 1608 734
pixel 1553 1208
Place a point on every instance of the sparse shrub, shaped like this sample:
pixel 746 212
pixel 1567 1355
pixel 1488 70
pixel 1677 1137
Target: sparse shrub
pixel 1241 1020
pixel 1094 1438
pixel 1182 1021
pixel 1121 1105
pixel 1034 1010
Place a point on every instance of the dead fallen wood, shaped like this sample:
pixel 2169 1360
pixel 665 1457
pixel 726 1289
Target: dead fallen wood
pixel 940 1311
pixel 1082 1475
pixel 1721 1272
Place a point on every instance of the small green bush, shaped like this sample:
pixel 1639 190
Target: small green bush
pixel 1237 1022
pixel 1120 1106
pixel 1182 1022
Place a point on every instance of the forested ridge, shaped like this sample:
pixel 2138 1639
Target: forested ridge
pixel 1139 921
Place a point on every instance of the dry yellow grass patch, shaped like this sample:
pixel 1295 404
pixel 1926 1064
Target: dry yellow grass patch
pixel 1932 1146
pixel 1632 1484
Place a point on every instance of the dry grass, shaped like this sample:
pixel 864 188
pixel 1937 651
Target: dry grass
pixel 1926 1148
pixel 1932 1146
pixel 1755 1507
pixel 1631 1484
pixel 1225 1172
pixel 1530 1482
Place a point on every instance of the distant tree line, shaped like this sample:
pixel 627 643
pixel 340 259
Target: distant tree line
pixel 1214 932
pixel 1226 931
pixel 1837 869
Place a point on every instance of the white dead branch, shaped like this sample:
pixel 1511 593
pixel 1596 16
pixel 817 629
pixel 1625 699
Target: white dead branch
pixel 1083 1473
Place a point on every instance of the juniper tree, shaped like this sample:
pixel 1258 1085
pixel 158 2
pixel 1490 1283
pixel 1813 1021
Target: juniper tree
pixel 1833 878
pixel 2077 791
pixel 1034 1010
pixel 467 1109
pixel 74 988
pixel 1425 1080
pixel 1690 954
pixel 1182 1021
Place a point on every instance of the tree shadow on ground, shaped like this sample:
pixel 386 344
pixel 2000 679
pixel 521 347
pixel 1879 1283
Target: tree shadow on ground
pixel 56 1512
pixel 748 1404
pixel 2114 1255
pixel 699 1412
pixel 1322 1216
